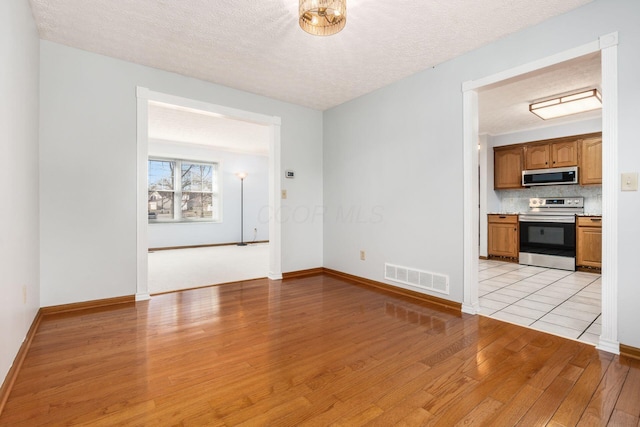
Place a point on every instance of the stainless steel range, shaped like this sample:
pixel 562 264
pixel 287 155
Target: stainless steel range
pixel 548 232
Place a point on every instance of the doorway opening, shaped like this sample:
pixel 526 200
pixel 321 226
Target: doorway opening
pixel 268 130
pixel 607 46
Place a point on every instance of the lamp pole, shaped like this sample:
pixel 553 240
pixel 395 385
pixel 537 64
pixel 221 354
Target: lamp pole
pixel 242 176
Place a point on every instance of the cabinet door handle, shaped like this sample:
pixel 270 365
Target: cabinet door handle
pixel 596 219
pixel 502 217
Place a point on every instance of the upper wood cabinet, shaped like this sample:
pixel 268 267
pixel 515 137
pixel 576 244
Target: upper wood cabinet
pixel 536 156
pixel 559 154
pixel 584 151
pixel 507 167
pixel 590 160
pixel 564 154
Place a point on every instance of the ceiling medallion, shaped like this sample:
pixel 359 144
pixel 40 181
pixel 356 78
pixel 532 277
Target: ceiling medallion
pixel 323 17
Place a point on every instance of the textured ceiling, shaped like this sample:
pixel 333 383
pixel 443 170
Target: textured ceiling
pixel 257 45
pixel 504 106
pixel 173 123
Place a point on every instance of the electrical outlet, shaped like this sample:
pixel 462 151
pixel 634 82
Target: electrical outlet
pixel 284 194
pixel 363 255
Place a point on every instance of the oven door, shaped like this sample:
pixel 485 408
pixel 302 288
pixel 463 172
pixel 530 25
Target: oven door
pixel 548 241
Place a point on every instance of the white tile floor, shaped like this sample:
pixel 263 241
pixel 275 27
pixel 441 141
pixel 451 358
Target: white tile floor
pixel 561 302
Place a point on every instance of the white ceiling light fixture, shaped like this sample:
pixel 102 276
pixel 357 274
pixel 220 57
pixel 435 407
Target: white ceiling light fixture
pixel 575 103
pixel 323 17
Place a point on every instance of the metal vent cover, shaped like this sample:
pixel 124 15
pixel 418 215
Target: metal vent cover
pixel 418 278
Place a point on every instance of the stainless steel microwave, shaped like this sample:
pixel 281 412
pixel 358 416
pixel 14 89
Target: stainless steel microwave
pixel 553 176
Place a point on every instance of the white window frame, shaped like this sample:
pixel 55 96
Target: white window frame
pixel 178 191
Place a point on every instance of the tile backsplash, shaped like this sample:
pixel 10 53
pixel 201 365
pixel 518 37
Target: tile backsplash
pixel 518 200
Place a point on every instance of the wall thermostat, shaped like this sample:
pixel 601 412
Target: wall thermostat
pixel 289 174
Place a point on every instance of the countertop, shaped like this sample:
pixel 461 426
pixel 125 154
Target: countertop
pixel 524 213
pixel 503 213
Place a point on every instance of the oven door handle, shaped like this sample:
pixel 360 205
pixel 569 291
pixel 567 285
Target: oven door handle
pixel 564 219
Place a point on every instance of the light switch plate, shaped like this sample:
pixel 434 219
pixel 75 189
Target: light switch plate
pixel 629 181
pixel 284 194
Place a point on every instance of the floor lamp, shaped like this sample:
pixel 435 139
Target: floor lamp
pixel 242 176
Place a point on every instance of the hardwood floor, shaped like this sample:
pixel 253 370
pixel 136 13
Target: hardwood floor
pixel 310 351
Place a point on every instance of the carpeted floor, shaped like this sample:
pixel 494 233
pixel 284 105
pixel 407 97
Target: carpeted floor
pixel 176 269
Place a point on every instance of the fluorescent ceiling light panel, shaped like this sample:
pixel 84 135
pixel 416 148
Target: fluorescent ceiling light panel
pixel 566 105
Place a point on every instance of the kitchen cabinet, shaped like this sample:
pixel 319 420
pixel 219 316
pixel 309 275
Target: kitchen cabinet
pixel 589 241
pixel 558 154
pixel 584 151
pixel 590 164
pixel 503 236
pixel 507 167
pixel 536 156
pixel 564 153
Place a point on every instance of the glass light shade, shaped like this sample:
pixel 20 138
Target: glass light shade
pixel 323 17
pixel 566 105
pixel 242 175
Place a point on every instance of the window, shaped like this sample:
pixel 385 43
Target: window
pixel 182 191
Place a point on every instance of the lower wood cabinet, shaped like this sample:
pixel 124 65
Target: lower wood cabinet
pixel 589 241
pixel 503 236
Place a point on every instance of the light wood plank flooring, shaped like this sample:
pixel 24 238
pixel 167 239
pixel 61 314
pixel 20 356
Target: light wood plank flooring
pixel 311 351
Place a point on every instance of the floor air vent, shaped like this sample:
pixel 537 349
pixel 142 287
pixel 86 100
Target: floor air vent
pixel 418 278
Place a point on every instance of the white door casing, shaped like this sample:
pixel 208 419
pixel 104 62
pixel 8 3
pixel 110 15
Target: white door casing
pixel 607 45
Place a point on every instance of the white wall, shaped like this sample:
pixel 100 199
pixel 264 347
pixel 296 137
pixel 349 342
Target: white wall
pixel 489 201
pixel 256 198
pixel 548 132
pixel 394 160
pixel 399 149
pixel 19 228
pixel 88 155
